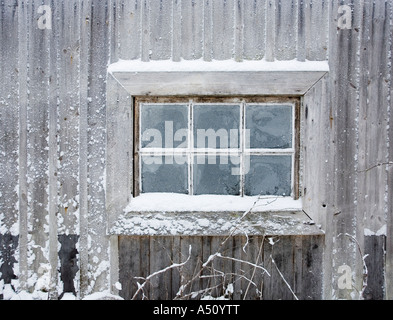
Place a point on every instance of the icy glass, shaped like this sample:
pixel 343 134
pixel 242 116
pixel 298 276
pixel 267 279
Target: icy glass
pixel 164 125
pixel 270 126
pixel 216 126
pixel 214 175
pixel 269 175
pixel 160 176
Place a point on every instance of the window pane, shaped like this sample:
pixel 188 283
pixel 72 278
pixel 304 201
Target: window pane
pixel 216 175
pixel 270 126
pixel 216 126
pixel 164 125
pixel 164 174
pixel 268 175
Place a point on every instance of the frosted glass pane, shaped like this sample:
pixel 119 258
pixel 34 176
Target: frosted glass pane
pixel 269 175
pixel 161 175
pixel 270 126
pixel 164 125
pixel 216 126
pixel 214 175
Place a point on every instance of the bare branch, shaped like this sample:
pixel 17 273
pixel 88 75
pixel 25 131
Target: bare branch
pixel 283 278
pixel 175 265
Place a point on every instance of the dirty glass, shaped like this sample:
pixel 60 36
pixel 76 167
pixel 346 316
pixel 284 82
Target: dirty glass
pixel 216 126
pixel 270 126
pixel 164 125
pixel 214 175
pixel 269 175
pixel 160 175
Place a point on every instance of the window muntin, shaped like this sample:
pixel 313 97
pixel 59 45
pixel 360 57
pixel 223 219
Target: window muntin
pixel 242 148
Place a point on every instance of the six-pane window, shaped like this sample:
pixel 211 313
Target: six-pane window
pixel 220 148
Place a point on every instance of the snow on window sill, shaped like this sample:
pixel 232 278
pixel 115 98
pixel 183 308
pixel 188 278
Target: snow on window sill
pixel 182 215
pixel 171 202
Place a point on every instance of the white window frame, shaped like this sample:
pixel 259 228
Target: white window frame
pixel 242 152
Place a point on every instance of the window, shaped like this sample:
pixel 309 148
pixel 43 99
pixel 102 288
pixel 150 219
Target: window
pixel 216 146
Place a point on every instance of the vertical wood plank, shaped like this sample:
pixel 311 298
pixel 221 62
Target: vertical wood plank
pixel 145 30
pixel 312 267
pixel 96 140
pixel 238 242
pixel 254 29
pixel 374 248
pixel 208 30
pixel 38 66
pixel 298 285
pixel 239 30
pixel 316 29
pixel 192 29
pixel 9 143
pixel 129 265
pixel 301 30
pixel 176 30
pixel 145 269
pixel 223 29
pixel 85 62
pixel 389 168
pixel 119 132
pixel 270 20
pixel 253 277
pixel 9 135
pixel 344 45
pixel 176 272
pixel 316 145
pixel 373 117
pixel 191 271
pixel 222 267
pixel 286 29
pixel 67 67
pixel 53 205
pixel 282 269
pixel 161 15
pixel 23 101
pixel 128 23
pixel 160 258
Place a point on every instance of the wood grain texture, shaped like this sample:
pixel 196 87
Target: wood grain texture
pixel 291 83
pixel 233 267
pixel 54 122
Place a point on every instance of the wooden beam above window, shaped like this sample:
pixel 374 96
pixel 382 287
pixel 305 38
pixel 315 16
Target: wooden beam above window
pixel 218 78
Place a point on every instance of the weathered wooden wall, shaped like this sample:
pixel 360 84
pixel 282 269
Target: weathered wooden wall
pixel 292 267
pixel 53 125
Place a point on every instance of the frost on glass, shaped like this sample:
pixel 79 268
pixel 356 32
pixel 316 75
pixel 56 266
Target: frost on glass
pixel 216 126
pixel 269 175
pixel 164 125
pixel 214 175
pixel 270 126
pixel 160 176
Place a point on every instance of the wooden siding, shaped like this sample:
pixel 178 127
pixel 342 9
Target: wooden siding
pixel 53 115
pixel 253 268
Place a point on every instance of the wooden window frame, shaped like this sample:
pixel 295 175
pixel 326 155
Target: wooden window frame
pixel 235 99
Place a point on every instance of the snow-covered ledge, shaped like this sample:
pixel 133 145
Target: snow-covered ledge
pixel 175 215
pixel 228 77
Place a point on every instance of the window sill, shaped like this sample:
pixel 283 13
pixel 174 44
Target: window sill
pixel 182 215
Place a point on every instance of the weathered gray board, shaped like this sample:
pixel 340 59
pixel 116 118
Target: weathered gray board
pixel 257 267
pixel 293 83
pixel 41 85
